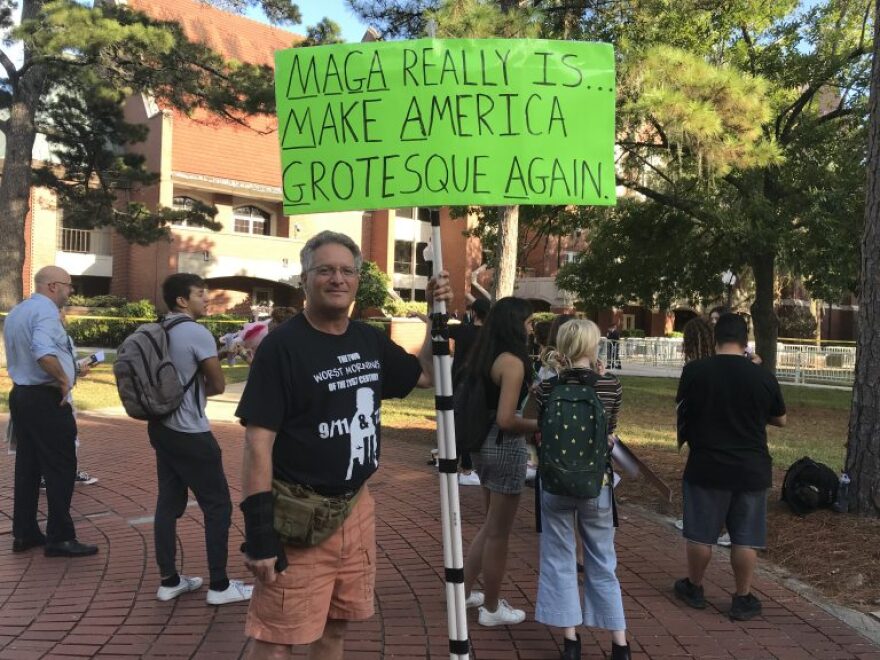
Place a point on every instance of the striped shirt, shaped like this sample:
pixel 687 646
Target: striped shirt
pixel 608 390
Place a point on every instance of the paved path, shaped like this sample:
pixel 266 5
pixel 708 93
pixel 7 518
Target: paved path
pixel 105 605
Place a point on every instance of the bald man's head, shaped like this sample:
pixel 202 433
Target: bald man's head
pixel 54 283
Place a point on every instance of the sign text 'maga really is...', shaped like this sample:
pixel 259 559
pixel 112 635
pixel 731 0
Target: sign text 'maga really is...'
pixel 446 122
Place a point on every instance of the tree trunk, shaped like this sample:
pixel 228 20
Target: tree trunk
pixel 15 185
pixel 505 259
pixel 863 446
pixel 766 323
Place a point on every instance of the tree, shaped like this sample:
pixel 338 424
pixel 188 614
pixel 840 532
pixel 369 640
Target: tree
pixel 372 288
pixel 863 447
pixel 747 123
pixel 78 66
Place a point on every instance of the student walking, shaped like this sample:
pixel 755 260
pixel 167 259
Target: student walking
pixel 501 358
pixel 592 518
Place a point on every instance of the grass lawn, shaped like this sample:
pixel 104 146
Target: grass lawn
pixel 98 389
pixel 817 419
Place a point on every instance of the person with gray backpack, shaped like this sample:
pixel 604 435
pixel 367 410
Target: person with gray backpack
pixel 577 413
pixel 164 373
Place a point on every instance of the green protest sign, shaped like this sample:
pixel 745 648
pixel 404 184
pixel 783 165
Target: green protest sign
pixel 440 122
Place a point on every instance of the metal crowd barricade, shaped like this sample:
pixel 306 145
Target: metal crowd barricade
pixel 795 363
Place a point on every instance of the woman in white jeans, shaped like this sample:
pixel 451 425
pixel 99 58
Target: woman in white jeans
pixel 559 603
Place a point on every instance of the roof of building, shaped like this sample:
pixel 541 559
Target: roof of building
pixel 209 145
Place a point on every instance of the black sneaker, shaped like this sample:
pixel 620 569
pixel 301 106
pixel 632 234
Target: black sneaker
pixel 743 608
pixel 691 594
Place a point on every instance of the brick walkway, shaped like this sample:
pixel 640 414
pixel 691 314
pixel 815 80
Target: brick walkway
pixel 105 605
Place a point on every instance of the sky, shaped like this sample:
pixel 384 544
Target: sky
pixel 314 10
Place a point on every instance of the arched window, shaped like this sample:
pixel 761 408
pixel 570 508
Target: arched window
pixel 182 203
pixel 251 220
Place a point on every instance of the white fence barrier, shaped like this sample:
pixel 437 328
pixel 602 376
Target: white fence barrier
pixel 795 363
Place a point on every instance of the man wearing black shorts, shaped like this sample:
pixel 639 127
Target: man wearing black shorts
pixel 724 405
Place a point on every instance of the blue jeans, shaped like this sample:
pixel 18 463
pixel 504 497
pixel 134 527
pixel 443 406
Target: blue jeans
pixel 558 597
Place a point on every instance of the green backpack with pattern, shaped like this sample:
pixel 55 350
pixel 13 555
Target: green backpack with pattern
pixel 574 455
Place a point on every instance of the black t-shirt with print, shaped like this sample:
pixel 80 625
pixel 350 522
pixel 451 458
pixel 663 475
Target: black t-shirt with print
pixel 725 402
pixel 321 393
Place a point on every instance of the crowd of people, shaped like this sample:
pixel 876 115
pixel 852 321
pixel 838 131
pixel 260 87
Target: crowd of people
pixel 311 412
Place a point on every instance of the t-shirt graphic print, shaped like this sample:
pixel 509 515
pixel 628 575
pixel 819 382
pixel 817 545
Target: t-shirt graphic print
pixel 363 433
pixel 321 393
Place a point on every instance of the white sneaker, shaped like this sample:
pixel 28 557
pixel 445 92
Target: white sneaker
pixel 531 472
pixel 186 584
pixel 505 615
pixel 84 478
pixel 471 479
pixel 476 599
pixel 236 592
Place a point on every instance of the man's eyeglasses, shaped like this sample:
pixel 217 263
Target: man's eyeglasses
pixel 69 285
pixel 347 272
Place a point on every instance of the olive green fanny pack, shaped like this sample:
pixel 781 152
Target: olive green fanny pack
pixel 304 518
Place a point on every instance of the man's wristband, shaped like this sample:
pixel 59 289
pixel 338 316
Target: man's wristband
pixel 261 539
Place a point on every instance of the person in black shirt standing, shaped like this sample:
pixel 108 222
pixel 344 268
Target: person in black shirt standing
pixel 465 336
pixel 613 338
pixel 724 405
pixel 312 411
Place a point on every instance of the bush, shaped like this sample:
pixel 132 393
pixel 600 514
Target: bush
pixel 674 335
pixel 403 308
pixel 98 301
pixel 539 317
pixel 372 288
pixel 636 334
pixel 796 322
pixel 221 324
pixel 103 333
pixel 379 325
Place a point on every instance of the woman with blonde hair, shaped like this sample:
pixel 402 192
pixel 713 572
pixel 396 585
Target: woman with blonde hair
pixel 575 360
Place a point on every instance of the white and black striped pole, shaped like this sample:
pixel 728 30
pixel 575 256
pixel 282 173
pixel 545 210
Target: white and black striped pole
pixel 450 511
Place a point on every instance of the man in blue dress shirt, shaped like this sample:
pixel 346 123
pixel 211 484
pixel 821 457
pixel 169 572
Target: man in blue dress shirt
pixel 43 369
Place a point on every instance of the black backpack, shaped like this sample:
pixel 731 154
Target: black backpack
pixel 808 486
pixel 473 417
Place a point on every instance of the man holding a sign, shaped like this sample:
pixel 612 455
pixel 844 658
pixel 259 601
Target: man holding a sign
pixel 312 411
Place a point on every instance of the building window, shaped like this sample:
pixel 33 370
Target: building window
pixel 182 203
pixel 569 257
pixel 250 220
pixel 403 254
pixel 629 322
pixel 262 296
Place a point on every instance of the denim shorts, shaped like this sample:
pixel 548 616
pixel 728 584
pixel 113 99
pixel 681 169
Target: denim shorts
pixel 707 511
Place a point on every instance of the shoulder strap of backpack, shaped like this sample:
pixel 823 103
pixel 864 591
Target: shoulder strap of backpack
pixel 167 326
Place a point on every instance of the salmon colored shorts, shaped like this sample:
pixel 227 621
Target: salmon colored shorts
pixel 334 580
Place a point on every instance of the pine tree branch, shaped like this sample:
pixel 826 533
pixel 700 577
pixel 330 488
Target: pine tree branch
pixel 793 112
pixel 12 74
pixel 694 211
pixel 750 48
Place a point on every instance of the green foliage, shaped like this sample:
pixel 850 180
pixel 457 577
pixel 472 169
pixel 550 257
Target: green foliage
pixel 543 317
pixel 796 322
pixel 404 308
pixel 102 333
pixel 379 325
pixel 373 287
pixel 221 324
pixel 97 301
pixel 92 58
pixel 637 334
pixel 325 32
